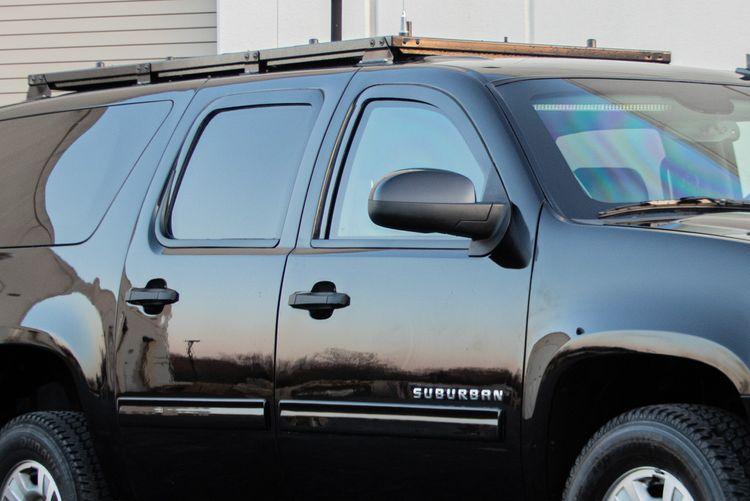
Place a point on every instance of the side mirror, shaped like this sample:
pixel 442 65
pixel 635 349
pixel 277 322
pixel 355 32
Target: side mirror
pixel 439 201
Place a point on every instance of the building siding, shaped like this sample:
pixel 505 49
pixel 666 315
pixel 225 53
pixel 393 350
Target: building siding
pixel 38 36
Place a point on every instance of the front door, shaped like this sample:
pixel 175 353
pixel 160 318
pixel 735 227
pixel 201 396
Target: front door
pixel 195 353
pixel 410 383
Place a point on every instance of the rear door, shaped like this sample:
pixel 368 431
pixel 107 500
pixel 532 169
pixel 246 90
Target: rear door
pixel 195 352
pixel 411 385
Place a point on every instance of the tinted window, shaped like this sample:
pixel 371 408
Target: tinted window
pixel 60 172
pixel 392 136
pixel 240 175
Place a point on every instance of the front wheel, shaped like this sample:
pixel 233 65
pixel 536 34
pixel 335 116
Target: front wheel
pixel 670 452
pixel 49 456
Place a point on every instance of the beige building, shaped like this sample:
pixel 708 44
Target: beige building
pixel 51 35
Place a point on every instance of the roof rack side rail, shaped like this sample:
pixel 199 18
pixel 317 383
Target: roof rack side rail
pixel 364 51
pixel 436 46
pixel 237 63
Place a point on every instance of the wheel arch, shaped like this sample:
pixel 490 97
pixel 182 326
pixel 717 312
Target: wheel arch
pixel 59 357
pixel 564 373
pixel 555 353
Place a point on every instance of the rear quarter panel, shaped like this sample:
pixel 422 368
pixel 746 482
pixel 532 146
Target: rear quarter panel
pixel 63 299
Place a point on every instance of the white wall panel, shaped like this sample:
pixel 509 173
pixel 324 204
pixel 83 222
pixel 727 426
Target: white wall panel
pixel 698 32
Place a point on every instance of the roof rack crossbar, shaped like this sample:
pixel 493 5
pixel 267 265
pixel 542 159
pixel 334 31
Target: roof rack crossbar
pixel 365 51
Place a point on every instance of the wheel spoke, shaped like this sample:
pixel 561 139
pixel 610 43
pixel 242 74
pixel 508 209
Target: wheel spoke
pixel 45 483
pixel 27 484
pixel 621 495
pixel 670 491
pixel 641 491
pixel 49 489
pixel 632 491
pixel 14 490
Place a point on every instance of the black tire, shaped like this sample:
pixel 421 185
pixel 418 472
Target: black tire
pixel 704 447
pixel 60 442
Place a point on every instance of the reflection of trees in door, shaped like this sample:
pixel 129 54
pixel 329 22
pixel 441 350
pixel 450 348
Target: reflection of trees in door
pixel 148 360
pixel 143 350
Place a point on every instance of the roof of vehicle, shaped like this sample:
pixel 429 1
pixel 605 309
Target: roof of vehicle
pixel 510 68
pixel 491 61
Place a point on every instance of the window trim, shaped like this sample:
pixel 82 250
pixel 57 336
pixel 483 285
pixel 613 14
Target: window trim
pixel 298 97
pixel 415 93
pixel 389 243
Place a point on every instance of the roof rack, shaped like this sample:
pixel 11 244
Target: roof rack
pixel 364 51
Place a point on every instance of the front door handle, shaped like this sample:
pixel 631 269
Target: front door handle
pixel 313 301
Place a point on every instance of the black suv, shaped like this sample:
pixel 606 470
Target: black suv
pixel 381 267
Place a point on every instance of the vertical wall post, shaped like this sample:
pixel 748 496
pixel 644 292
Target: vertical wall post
pixel 528 21
pixel 336 20
pixel 371 17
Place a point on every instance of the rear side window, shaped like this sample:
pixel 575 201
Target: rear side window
pixel 60 172
pixel 239 177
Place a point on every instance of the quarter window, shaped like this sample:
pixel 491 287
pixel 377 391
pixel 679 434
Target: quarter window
pixel 59 172
pixel 391 136
pixel 240 174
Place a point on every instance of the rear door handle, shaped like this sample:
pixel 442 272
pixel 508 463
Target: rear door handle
pixel 152 296
pixel 313 301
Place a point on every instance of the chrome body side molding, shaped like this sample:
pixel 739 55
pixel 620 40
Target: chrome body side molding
pixel 247 413
pixel 438 421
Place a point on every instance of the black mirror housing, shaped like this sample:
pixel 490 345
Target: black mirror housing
pixel 439 201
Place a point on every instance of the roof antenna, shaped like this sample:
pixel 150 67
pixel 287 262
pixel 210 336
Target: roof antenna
pixel 405 30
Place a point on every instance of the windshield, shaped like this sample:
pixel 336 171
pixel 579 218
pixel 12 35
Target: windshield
pixel 600 143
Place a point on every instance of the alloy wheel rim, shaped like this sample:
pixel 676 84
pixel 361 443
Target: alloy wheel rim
pixel 648 483
pixel 30 481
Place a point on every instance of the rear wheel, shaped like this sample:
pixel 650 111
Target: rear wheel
pixel 670 452
pixel 49 456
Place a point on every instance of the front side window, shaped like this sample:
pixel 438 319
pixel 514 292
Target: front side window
pixel 240 174
pixel 604 143
pixel 391 136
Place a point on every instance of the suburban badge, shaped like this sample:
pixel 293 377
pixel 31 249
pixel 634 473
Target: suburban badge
pixel 439 393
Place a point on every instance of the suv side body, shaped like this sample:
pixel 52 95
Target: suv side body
pixel 185 395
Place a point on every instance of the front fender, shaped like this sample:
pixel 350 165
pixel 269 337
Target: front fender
pixel 555 352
